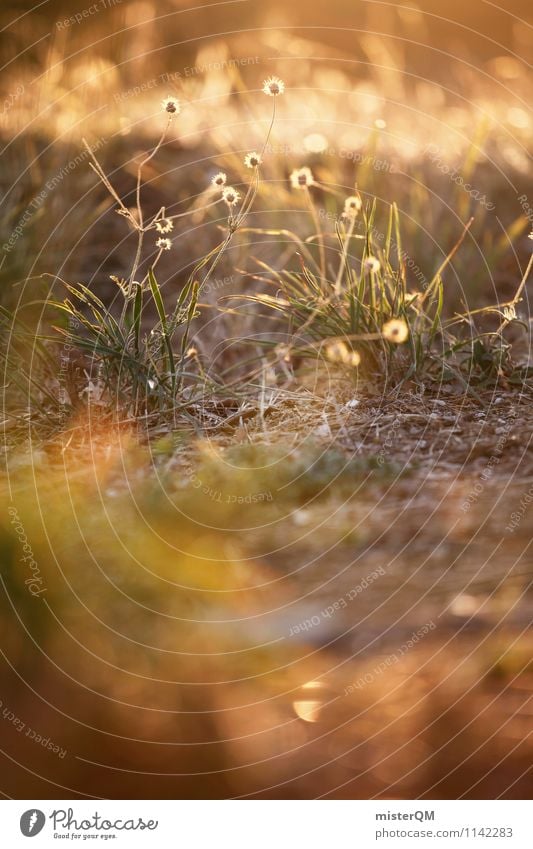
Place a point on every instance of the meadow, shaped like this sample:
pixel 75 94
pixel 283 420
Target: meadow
pixel 266 400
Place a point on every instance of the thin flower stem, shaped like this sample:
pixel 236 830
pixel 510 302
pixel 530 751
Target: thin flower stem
pixel 342 264
pixel 517 296
pixel 145 162
pixel 254 184
pixel 234 224
pixel 320 240
pixel 523 282
pixel 139 209
pixel 97 168
pixel 216 260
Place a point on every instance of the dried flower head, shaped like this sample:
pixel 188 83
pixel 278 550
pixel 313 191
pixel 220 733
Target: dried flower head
pixel 231 196
pixel 171 105
pixel 352 205
pixel 509 313
pixel 121 283
pixel 301 178
pixel 395 330
pixel 372 264
pixel 164 244
pixel 252 160
pixel 339 352
pixel 164 225
pixel 219 180
pixel 273 86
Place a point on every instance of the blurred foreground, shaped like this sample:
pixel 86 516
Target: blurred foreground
pixel 332 598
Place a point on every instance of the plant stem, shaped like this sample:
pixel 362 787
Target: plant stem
pixel 320 240
pixel 344 255
pixel 140 217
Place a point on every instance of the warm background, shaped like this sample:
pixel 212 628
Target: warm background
pixel 160 658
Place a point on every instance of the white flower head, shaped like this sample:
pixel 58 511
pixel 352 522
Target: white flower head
pixel 352 205
pixel 372 264
pixel 273 86
pixel 252 160
pixel 171 105
pixel 219 180
pixel 231 196
pixel 395 330
pixel 339 352
pixel 164 244
pixel 164 225
pixel 301 178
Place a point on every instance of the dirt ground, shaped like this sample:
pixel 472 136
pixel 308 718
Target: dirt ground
pixel 364 626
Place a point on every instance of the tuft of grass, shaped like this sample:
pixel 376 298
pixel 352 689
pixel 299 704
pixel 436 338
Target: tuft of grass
pixel 361 313
pixel 351 299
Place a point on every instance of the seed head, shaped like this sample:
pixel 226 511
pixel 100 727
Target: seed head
pixel 273 86
pixel 395 330
pixel 352 205
pixel 219 180
pixel 231 196
pixel 339 352
pixel 164 244
pixel 164 225
pixel 252 160
pixel 372 264
pixel 171 105
pixel 301 178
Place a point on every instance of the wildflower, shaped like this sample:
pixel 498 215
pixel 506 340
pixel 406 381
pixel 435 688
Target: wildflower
pixel 165 225
pixel 273 86
pixel 301 178
pixel 509 313
pixel 252 160
pixel 231 196
pixel 352 205
pixel 171 105
pixel 395 330
pixel 164 244
pixel 339 352
pixel 219 180
pixel 372 264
